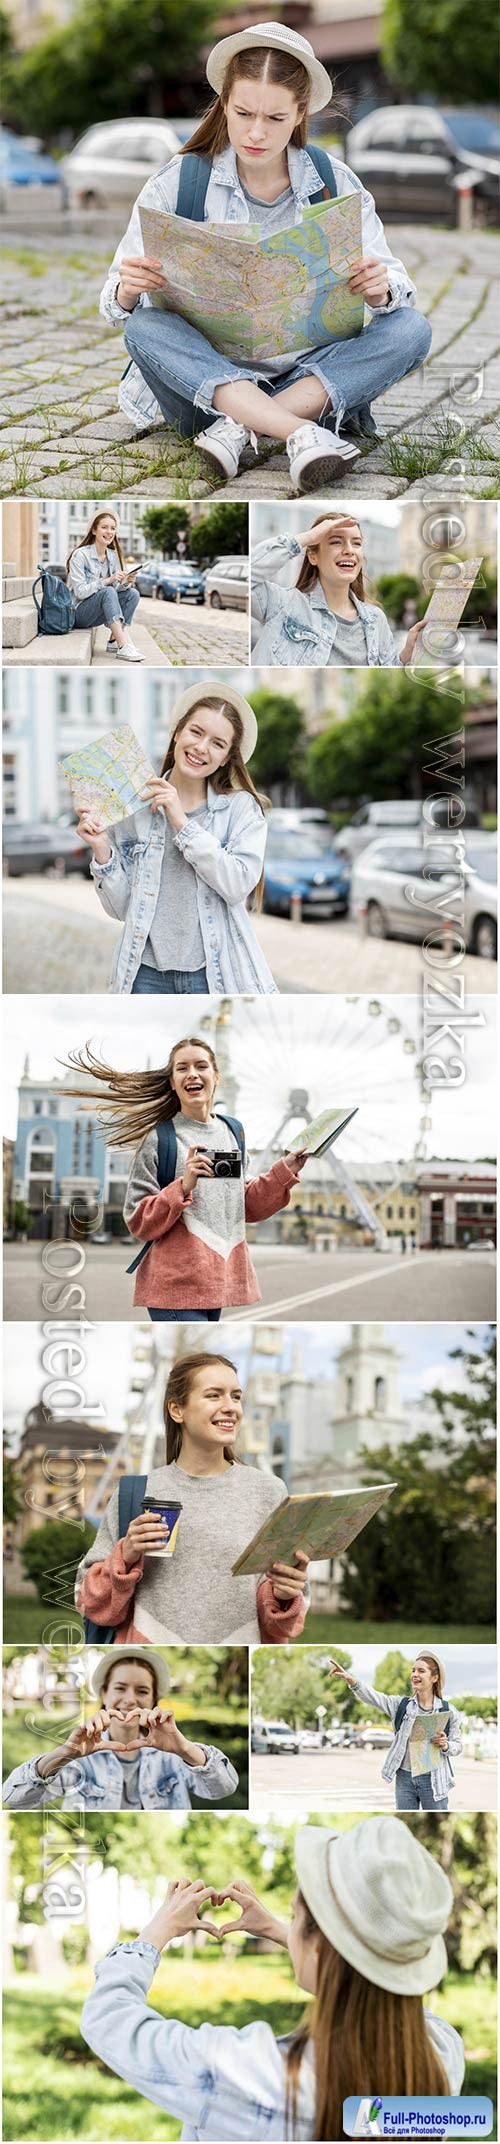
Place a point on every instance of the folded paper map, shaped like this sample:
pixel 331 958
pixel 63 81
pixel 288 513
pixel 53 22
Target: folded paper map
pixel 315 1138
pixel 322 1525
pixel 261 297
pixel 107 777
pixel 444 611
pixel 425 1754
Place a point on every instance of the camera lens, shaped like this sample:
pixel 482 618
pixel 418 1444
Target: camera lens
pixel 222 1168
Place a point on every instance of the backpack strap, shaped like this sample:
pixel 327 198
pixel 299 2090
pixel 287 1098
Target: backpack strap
pixel 38 607
pixel 328 180
pixel 131 1490
pixel 167 1156
pixel 236 1128
pixel 193 185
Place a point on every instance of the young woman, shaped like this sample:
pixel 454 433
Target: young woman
pixel 427 1790
pixel 253 141
pixel 191 1595
pixel 131 1755
pixel 324 618
pixel 194 1224
pixel 181 872
pixel 102 586
pixel 366 1940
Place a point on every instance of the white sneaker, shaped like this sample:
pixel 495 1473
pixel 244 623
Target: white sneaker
pixel 129 653
pixel 111 646
pixel 317 458
pixel 223 445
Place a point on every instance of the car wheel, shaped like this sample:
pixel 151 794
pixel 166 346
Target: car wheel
pixel 485 938
pixel 215 600
pixel 56 868
pixel 161 593
pixel 90 200
pixel 375 921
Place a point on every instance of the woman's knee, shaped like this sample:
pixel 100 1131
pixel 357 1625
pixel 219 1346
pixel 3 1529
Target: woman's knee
pixel 133 330
pixel 417 333
pixel 110 605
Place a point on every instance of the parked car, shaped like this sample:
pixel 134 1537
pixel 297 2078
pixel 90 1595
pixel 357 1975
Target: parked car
pixel 400 814
pixel 227 584
pixel 31 845
pixel 21 164
pixel 380 904
pixel 172 581
pixel 111 162
pixel 275 1738
pixel 409 157
pixel 375 1737
pixel 304 860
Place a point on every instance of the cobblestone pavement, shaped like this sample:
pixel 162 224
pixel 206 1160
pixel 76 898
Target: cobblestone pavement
pixel 54 930
pixel 62 435
pixel 192 633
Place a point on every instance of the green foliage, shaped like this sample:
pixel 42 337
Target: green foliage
pixel 163 524
pixel 76 1943
pixel 118 61
pixel 222 532
pixel 429 1553
pixel 379 750
pixel 290 1684
pixel 12 1493
pixel 51 1556
pixel 278 753
pixel 393 1675
pixel 20 1218
pixel 394 591
pixel 448 53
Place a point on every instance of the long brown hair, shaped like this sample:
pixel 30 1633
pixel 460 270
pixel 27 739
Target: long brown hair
pixel 261 62
pixel 178 1388
pixel 233 774
pixel 309 572
pixel 365 2040
pixel 89 538
pixel 131 1104
pixel 436 1676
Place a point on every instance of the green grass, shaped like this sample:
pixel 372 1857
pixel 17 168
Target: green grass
pixel 227 1729
pixel 344 1630
pixel 56 2090
pixel 27 1620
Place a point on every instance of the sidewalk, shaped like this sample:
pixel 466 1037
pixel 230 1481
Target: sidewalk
pixel 62 435
pixel 166 634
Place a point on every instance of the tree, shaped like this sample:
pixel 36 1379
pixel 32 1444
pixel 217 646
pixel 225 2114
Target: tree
pixel 379 750
pixel 221 533
pixel 163 524
pixel 278 756
pixel 51 1556
pixel 429 1552
pixel 449 52
pixel 12 1493
pixel 393 1675
pixel 394 591
pixel 118 61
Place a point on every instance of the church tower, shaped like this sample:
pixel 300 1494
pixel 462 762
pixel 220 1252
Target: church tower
pixel 368 1408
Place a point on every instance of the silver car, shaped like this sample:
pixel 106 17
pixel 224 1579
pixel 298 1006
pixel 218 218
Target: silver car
pixel 108 167
pixel 227 583
pixel 390 896
pixel 389 815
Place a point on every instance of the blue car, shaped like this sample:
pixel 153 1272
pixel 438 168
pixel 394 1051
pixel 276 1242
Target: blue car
pixel 22 166
pixel 172 579
pixel 303 860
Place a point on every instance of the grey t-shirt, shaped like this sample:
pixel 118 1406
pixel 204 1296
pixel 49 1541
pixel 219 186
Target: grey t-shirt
pixel 192 1597
pixel 274 216
pixel 350 643
pixel 175 939
pixel 130 1781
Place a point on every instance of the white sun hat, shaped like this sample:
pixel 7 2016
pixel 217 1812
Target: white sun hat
pixel 113 1654
pixel 428 1652
pixel 279 38
pixel 106 508
pixel 209 688
pixel 381 1900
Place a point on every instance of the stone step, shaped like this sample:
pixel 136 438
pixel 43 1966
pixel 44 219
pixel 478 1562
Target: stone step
pixel 9 566
pixel 62 650
pixel 15 585
pixel 144 641
pixel 19 623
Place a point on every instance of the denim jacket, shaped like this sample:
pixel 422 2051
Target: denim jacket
pixel 227 857
pixel 86 569
pixel 165 1781
pixel 293 626
pixel 225 203
pixel 442 1776
pixel 222 2082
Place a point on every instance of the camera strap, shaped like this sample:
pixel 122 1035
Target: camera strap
pixel 167 1158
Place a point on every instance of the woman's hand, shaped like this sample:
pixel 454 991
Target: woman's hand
pixel 97 839
pixel 407 652
pixel 336 1669
pixel 179 1913
pixel 163 793
pixel 255 1918
pixel 146 1532
pixel 440 1738
pixel 295 1158
pixel 288 1580
pixel 138 274
pixel 311 537
pixel 369 279
pixel 197 1164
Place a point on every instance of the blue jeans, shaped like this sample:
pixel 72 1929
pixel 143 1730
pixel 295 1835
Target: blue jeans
pixel 185 1317
pixel 105 605
pixel 416 1793
pixel 182 369
pixel 169 982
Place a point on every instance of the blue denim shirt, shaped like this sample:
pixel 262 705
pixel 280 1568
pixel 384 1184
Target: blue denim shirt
pixel 291 625
pixel 86 570
pixel 224 2084
pixel 227 856
pixel 95 1782
pixel 225 203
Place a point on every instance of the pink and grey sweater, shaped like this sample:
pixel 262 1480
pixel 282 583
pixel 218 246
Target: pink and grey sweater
pixel 199 1258
pixel 192 1597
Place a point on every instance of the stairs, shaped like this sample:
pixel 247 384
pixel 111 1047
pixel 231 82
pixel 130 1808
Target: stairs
pixel 82 646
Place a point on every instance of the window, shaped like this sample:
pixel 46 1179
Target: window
pixel 389 1212
pixel 88 695
pixel 380 1395
pixel 62 693
pixel 401 1213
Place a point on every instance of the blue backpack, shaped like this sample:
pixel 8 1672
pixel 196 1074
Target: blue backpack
pixel 56 612
pixel 167 1157
pixel 195 173
pixel 403 1708
pixel 131 1491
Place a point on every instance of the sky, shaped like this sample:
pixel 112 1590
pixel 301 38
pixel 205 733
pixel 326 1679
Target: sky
pixel 424 1359
pixel 470 1669
pixel 348 1051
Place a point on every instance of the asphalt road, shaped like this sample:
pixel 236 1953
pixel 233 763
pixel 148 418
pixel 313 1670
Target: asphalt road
pixel 294 1282
pixel 351 1779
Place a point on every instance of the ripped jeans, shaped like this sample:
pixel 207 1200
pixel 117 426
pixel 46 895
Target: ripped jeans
pixel 182 369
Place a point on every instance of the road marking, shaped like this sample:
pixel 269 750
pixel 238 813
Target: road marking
pixel 317 1295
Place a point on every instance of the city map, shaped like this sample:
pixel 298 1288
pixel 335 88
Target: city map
pixel 108 776
pixel 261 298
